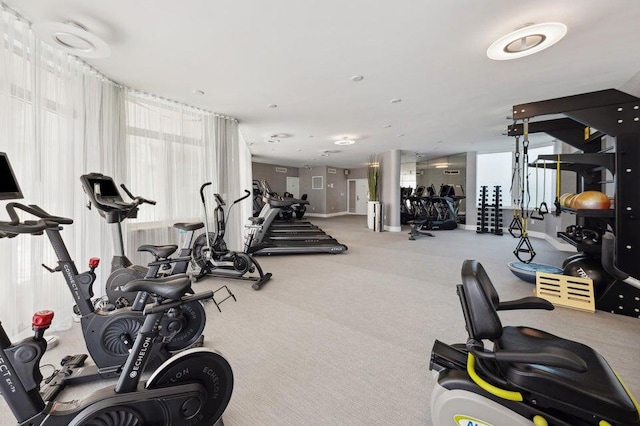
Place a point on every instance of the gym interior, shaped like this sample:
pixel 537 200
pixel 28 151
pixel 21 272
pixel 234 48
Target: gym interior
pixel 301 214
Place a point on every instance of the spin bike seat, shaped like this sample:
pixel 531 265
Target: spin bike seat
pixel 172 287
pixel 188 226
pixel 159 251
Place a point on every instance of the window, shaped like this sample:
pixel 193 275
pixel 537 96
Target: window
pixel 497 169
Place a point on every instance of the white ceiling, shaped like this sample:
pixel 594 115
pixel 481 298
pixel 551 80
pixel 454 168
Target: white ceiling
pixel 301 54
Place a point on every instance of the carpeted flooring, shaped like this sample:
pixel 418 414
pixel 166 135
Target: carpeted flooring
pixel 345 339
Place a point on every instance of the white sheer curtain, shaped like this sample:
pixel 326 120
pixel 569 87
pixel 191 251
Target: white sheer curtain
pixel 173 149
pixel 56 119
pixel 60 119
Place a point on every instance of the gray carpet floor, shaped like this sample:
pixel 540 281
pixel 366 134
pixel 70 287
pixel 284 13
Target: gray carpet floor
pixel 345 339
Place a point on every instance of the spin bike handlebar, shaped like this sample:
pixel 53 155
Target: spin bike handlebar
pixel 47 219
pixel 137 199
pixel 15 226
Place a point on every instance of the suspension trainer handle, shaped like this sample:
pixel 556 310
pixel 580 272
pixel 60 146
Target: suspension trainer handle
pixel 204 185
pixel 137 199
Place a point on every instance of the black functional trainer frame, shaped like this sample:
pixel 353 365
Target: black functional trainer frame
pixel 612 113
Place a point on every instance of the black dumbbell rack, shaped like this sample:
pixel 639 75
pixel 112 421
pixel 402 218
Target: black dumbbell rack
pixel 490 215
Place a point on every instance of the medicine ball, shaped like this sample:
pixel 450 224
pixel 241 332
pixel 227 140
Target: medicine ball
pixel 573 257
pixel 589 268
pixel 591 200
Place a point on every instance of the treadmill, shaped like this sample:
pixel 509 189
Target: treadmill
pixel 263 244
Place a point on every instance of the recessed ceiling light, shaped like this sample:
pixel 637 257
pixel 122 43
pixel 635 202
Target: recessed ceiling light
pixel 386 126
pixel 357 78
pixel 73 38
pixel 272 106
pixel 396 101
pixel 400 135
pixel 198 92
pixel 526 41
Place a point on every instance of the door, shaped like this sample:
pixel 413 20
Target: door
pixel 293 186
pixel 357 196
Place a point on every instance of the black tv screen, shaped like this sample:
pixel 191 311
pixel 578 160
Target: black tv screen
pixel 9 188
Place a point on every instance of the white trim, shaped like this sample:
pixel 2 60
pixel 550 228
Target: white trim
pixel 392 228
pixel 559 245
pixel 326 215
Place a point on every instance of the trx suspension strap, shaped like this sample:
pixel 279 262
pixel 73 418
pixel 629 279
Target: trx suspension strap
pixel 515 228
pixel 542 208
pixel 524 245
pixel 557 201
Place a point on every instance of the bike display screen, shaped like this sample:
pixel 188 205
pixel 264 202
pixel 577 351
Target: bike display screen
pixel 9 188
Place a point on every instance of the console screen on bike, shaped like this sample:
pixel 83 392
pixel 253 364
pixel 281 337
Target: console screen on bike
pixel 9 188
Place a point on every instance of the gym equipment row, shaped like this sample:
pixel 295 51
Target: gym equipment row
pixel 194 386
pixel 523 376
pixel 605 237
pixel 210 254
pixel 272 237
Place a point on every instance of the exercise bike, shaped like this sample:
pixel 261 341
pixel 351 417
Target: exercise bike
pixel 109 334
pixel 192 388
pixel 210 252
pixel 529 377
pixel 104 196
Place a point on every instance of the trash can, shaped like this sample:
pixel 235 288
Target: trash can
pixel 378 217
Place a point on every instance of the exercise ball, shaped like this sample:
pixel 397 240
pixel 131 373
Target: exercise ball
pixel 592 269
pixel 563 198
pixel 593 200
pixel 568 202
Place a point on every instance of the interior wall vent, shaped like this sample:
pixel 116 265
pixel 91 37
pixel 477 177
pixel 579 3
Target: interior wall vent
pixel 332 171
pixel 281 170
pixel 451 172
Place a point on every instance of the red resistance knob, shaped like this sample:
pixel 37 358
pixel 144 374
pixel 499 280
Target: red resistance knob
pixel 41 319
pixel 94 262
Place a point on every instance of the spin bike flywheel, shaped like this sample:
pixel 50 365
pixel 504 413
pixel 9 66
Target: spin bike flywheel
pixel 203 366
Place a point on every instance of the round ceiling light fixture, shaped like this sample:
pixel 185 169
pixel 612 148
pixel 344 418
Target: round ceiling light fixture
pixel 345 141
pixel 527 40
pixel 395 101
pixel 357 78
pixel 73 38
pixel 272 106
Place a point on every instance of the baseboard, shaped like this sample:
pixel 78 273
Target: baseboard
pixel 393 228
pixel 559 245
pixel 325 215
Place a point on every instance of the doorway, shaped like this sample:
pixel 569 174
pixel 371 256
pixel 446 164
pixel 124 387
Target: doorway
pixel 357 196
pixel 293 186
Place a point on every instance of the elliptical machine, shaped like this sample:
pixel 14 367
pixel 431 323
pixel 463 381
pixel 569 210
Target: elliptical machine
pixel 210 252
pixel 528 378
